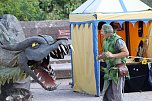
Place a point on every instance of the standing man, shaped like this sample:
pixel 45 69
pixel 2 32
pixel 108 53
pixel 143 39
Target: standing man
pixel 114 52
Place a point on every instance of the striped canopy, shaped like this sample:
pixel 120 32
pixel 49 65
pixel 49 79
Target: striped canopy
pixel 111 6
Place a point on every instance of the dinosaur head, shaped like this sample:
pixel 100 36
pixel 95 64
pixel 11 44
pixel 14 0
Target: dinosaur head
pixel 34 57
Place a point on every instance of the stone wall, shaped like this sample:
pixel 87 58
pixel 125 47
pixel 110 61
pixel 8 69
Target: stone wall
pixel 49 27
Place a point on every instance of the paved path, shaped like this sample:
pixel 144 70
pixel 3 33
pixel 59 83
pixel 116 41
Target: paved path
pixel 65 93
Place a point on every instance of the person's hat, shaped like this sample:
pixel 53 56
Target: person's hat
pixel 106 28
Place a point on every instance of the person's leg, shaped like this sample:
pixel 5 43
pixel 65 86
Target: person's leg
pixel 105 97
pixel 117 89
pixel 114 91
pixel 109 92
pixel 104 91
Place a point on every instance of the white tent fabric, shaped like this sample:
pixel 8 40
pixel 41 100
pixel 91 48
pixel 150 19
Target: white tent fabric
pixel 112 6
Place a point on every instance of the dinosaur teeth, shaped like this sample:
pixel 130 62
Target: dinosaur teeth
pixel 37 74
pixel 52 52
pixel 63 49
pixel 51 69
pixel 72 48
pixel 9 98
pixel 43 82
pixel 40 78
pixel 55 51
pixel 59 48
pixel 56 54
pixel 61 56
pixel 53 77
pixel 46 70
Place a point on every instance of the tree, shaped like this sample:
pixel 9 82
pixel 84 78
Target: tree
pixel 148 2
pixel 28 10
pixel 25 10
pixel 61 8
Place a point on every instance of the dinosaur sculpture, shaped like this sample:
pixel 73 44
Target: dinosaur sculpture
pixel 28 57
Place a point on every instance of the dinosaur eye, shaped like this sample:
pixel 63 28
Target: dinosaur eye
pixel 34 44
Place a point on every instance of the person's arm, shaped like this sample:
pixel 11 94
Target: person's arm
pixel 100 56
pixel 123 51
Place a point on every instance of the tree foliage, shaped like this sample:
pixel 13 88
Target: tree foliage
pixel 22 9
pixel 60 9
pixel 27 10
pixel 148 2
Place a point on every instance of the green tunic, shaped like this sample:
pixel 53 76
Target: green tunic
pixel 109 45
pixel 111 71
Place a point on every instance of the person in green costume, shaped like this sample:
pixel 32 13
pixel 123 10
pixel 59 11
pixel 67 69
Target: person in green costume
pixel 114 53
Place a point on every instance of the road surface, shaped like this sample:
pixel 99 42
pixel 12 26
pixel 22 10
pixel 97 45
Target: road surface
pixel 65 93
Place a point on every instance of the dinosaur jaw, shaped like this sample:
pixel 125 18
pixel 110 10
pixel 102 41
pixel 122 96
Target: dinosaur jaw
pixel 46 78
pixel 60 52
pixel 45 75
